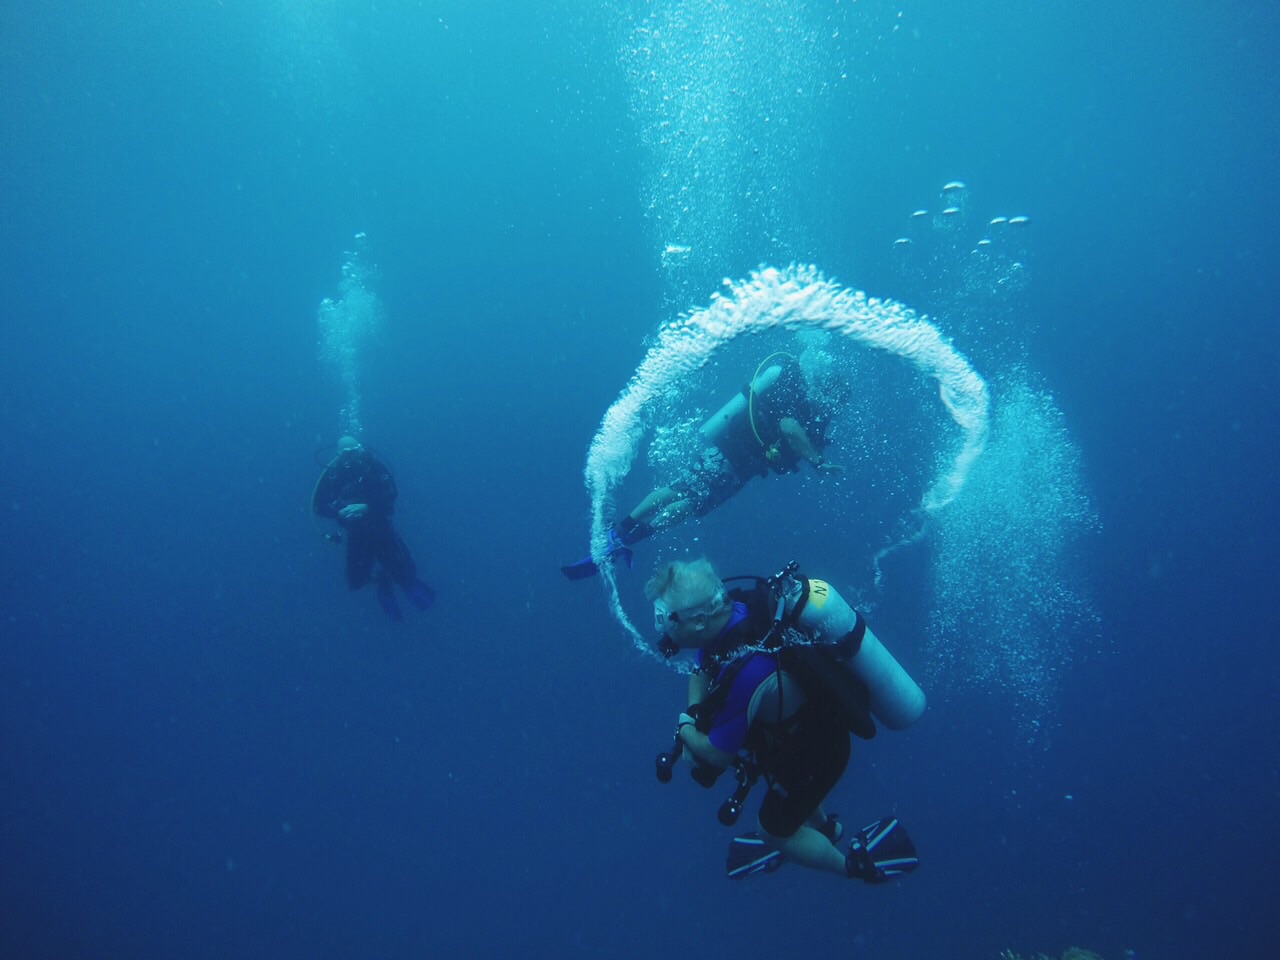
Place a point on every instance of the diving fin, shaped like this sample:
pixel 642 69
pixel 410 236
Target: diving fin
pixel 586 567
pixel 881 852
pixel 748 856
pixel 387 599
pixel 580 569
pixel 421 594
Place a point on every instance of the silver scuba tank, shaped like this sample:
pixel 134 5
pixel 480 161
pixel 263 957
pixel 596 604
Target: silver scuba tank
pixel 896 700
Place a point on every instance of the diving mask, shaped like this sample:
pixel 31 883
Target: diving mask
pixel 664 617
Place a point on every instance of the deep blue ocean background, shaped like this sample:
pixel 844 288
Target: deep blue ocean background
pixel 209 748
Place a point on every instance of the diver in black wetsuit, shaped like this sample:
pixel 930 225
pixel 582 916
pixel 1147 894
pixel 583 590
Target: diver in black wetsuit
pixel 358 491
pixel 771 426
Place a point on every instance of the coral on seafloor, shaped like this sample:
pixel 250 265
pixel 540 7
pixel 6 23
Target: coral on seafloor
pixel 1071 953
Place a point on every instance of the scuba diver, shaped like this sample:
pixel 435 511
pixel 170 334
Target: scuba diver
pixel 785 670
pixel 770 426
pixel 358 492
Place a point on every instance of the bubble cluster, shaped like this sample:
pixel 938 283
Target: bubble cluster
pixel 346 325
pixel 1011 605
pixel 307 66
pixel 1011 602
pixel 969 272
pixel 727 97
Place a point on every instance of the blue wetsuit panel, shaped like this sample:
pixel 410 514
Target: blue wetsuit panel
pixel 729 725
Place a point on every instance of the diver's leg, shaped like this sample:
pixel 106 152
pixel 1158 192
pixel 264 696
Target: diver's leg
pixel 792 818
pixel 701 488
pixel 809 848
pixel 387 596
pixel 826 824
pixel 660 509
pixel 398 567
pixel 663 501
pixel 630 529
pixel 721 480
pixel 395 557
pixel 360 556
pixel 790 823
pixel 675 511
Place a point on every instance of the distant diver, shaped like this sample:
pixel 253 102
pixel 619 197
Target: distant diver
pixel 771 425
pixel 358 492
pixel 785 670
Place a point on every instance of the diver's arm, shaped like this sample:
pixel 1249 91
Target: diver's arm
pixel 798 440
pixel 699 744
pixel 701 748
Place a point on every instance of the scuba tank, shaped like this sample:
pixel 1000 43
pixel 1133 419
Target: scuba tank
pixel 737 405
pixel 896 700
pixel 846 660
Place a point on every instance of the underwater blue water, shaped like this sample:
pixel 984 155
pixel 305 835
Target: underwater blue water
pixel 209 748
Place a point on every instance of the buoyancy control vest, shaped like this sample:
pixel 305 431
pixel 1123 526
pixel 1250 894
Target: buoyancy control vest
pixel 824 644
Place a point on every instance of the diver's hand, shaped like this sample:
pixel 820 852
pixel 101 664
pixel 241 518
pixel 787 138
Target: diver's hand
pixel 353 510
pixel 686 721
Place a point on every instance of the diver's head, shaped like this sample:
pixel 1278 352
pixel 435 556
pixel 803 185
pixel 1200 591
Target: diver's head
pixel 348 443
pixel 690 606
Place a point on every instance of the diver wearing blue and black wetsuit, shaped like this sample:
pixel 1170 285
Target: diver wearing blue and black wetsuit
pixel 748 706
pixel 802 749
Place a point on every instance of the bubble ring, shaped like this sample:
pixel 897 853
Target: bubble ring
pixel 795 297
